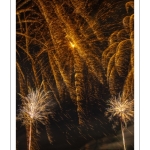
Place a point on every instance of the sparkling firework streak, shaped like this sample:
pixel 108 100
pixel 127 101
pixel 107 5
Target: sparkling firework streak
pixel 122 109
pixel 35 109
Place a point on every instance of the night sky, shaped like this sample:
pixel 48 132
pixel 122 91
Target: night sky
pixel 82 52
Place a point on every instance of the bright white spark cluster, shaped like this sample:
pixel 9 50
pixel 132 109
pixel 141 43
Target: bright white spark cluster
pixel 35 107
pixel 120 108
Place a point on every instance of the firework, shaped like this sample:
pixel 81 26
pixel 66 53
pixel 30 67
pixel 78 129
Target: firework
pixel 35 109
pixel 121 109
pixel 79 49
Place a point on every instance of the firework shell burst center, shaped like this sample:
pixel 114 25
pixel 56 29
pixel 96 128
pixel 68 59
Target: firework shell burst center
pixel 35 107
pixel 120 108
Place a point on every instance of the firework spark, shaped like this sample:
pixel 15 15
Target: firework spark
pixel 35 108
pixel 121 109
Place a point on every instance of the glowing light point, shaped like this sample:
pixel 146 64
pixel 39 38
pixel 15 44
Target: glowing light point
pixel 72 45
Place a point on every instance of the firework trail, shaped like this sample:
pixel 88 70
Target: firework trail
pixel 79 83
pixel 83 49
pixel 60 45
pixel 83 8
pixel 118 57
pixel 21 79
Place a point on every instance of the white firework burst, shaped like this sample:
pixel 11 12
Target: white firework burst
pixel 122 109
pixel 35 109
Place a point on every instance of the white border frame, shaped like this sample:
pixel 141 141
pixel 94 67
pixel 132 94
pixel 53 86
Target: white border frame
pixel 5 107
pixel 136 75
pixel 13 74
pixel 8 106
pixel 144 74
